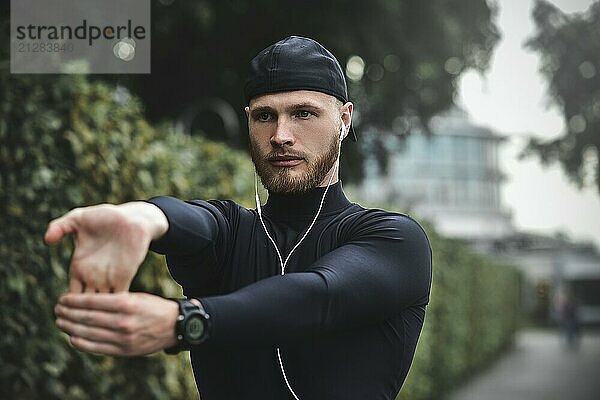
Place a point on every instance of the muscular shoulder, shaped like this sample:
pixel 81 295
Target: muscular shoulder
pixel 230 210
pixel 360 222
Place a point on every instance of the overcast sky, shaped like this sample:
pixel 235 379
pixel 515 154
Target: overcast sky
pixel 511 98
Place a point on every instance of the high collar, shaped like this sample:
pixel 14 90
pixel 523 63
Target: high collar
pixel 285 205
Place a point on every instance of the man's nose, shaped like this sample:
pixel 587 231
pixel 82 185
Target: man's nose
pixel 283 135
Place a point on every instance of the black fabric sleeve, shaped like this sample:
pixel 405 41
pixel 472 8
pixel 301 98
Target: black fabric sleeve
pixel 192 243
pixel 191 229
pixel 384 269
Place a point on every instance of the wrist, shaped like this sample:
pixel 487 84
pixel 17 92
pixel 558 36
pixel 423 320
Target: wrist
pixel 192 325
pixel 149 217
pixel 171 339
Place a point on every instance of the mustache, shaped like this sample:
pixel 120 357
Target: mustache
pixel 279 153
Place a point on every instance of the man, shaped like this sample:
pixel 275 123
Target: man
pixel 308 297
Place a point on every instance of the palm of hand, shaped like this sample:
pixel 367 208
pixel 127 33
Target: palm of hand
pixel 109 247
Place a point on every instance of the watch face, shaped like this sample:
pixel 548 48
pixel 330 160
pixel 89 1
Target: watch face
pixel 194 328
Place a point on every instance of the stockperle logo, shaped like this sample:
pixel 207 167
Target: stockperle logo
pixel 80 36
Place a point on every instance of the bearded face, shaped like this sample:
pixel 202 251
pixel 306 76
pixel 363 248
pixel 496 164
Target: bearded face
pixel 280 178
pixel 295 137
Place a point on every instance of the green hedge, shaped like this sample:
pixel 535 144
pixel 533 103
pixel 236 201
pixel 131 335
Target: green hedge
pixel 472 316
pixel 66 142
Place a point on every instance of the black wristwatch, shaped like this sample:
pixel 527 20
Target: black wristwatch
pixel 191 328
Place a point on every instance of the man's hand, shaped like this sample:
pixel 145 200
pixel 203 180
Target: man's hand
pixel 126 324
pixel 110 243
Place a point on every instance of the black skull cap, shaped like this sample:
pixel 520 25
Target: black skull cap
pixel 296 63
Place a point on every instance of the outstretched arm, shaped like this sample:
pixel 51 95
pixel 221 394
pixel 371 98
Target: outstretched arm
pixel 111 242
pixel 385 269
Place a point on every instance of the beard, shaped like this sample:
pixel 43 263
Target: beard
pixel 281 180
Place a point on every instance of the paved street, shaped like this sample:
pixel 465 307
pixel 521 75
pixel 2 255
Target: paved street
pixel 539 367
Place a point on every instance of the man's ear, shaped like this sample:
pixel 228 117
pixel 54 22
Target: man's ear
pixel 247 109
pixel 346 112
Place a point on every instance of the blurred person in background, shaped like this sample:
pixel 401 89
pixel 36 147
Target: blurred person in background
pixel 566 310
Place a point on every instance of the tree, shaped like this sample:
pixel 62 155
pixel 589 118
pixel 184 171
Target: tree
pixel 411 54
pixel 569 46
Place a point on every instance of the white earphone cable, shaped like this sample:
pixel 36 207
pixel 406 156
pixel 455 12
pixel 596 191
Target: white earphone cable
pixel 281 261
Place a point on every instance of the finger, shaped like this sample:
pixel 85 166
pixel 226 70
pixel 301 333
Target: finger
pixel 102 288
pixel 75 285
pixel 91 333
pixel 88 288
pixel 60 227
pixel 90 284
pixel 97 301
pixel 96 347
pixel 121 286
pixel 101 319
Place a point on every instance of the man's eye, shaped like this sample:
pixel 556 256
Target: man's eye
pixel 303 114
pixel 263 117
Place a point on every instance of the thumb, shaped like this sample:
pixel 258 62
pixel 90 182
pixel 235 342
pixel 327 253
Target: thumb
pixel 75 285
pixel 122 285
pixel 59 228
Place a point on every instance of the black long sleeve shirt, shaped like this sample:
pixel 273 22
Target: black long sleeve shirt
pixel 346 315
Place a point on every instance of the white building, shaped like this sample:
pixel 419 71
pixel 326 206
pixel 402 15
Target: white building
pixel 451 179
